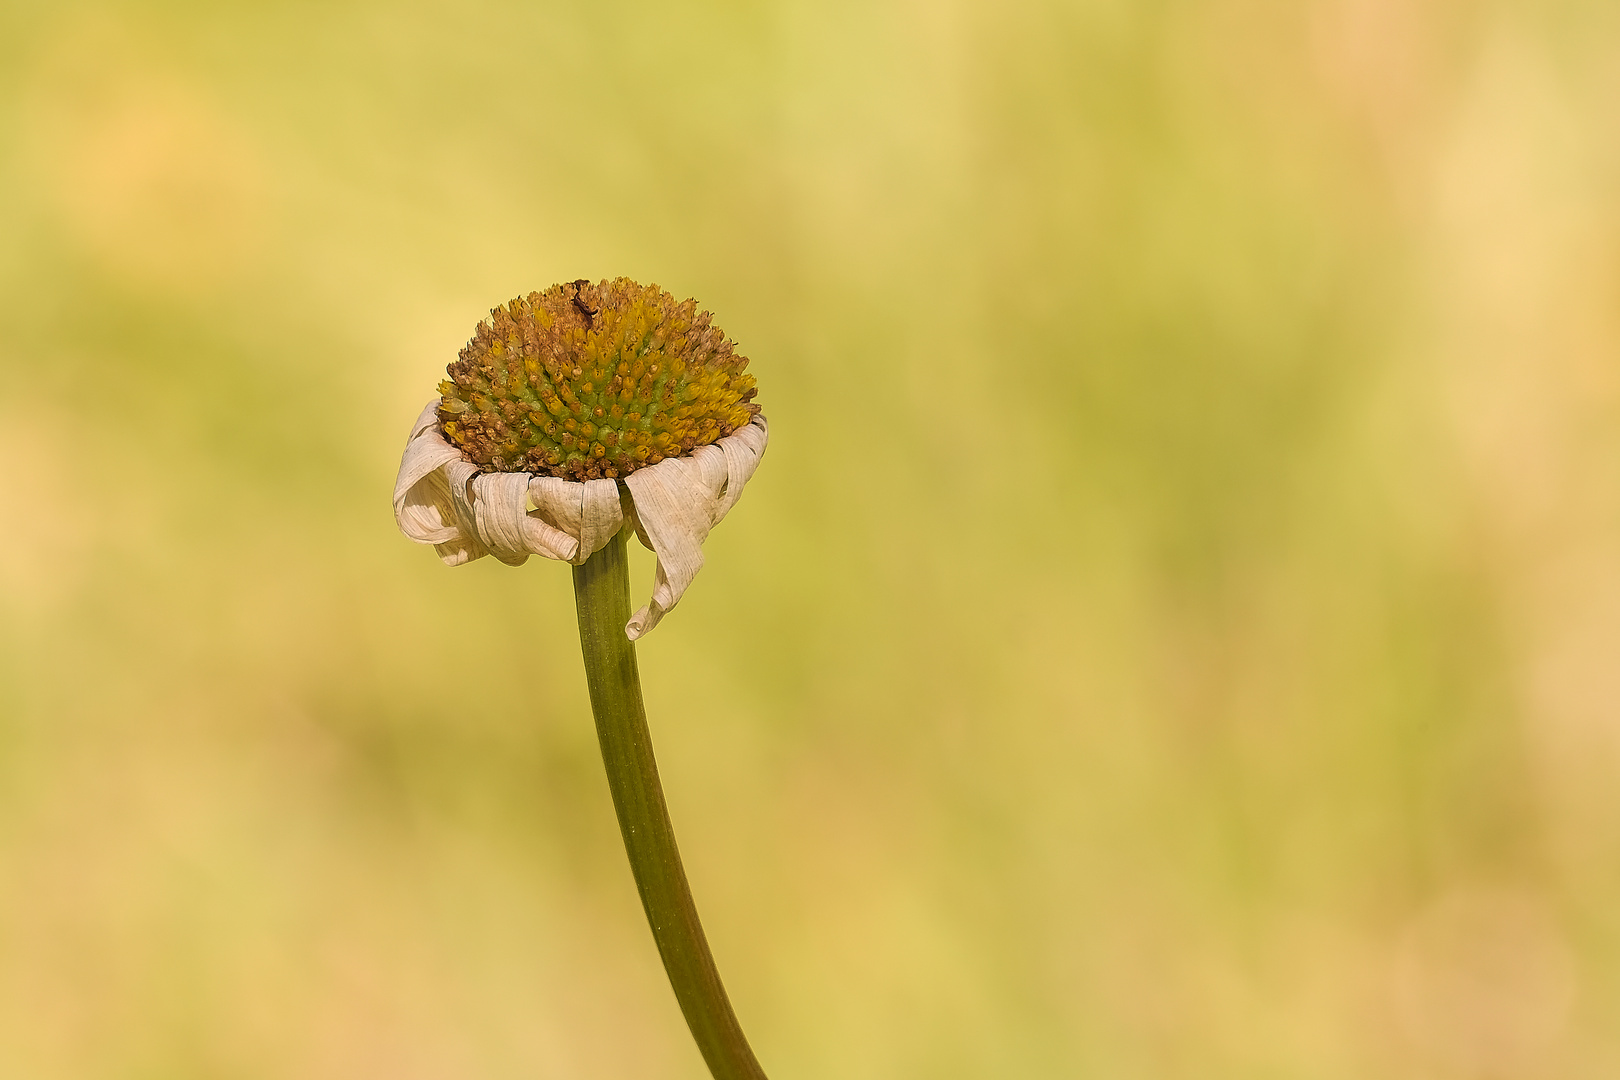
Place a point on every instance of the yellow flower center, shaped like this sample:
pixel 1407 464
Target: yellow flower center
pixel 587 381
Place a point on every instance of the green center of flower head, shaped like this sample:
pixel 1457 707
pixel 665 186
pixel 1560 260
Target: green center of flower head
pixel 588 381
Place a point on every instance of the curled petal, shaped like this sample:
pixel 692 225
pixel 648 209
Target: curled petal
pixel 512 534
pixel 743 451
pixel 458 476
pixel 423 508
pixel 678 501
pixel 497 501
pixel 588 512
pixel 459 551
pixel 421 500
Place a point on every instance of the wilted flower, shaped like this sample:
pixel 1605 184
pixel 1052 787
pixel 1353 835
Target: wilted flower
pixel 572 410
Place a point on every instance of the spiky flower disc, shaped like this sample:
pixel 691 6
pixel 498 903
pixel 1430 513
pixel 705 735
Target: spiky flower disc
pixel 590 381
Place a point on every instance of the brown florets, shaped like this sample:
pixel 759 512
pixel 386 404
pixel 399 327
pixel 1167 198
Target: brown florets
pixel 588 381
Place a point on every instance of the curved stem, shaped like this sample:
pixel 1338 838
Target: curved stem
pixel 602 596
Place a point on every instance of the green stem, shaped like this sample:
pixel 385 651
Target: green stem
pixel 602 595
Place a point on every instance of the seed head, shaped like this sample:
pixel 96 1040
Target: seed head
pixel 589 381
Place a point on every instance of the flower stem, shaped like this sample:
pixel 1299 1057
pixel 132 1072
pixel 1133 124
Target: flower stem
pixel 602 596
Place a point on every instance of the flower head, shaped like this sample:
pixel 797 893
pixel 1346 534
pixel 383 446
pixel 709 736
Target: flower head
pixel 594 381
pixel 573 413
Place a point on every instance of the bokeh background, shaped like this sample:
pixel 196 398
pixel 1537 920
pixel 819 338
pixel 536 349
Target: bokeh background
pixel 1175 632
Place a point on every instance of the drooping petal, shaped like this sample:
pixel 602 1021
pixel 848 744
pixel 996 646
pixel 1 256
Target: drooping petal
pixel 678 501
pixel 588 512
pixel 422 505
pixel 506 525
pixel 425 513
pixel 458 477
pixel 743 451
pixel 498 509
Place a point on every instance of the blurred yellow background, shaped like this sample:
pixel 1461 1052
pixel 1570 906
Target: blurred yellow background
pixel 1175 632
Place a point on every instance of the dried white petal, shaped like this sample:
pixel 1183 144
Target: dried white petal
pixel 678 501
pixel 423 509
pixel 423 505
pixel 458 477
pixel 498 509
pixel 587 511
pixel 743 451
pixel 441 498
pixel 500 503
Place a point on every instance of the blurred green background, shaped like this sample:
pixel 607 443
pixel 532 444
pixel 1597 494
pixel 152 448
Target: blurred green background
pixel 1175 632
